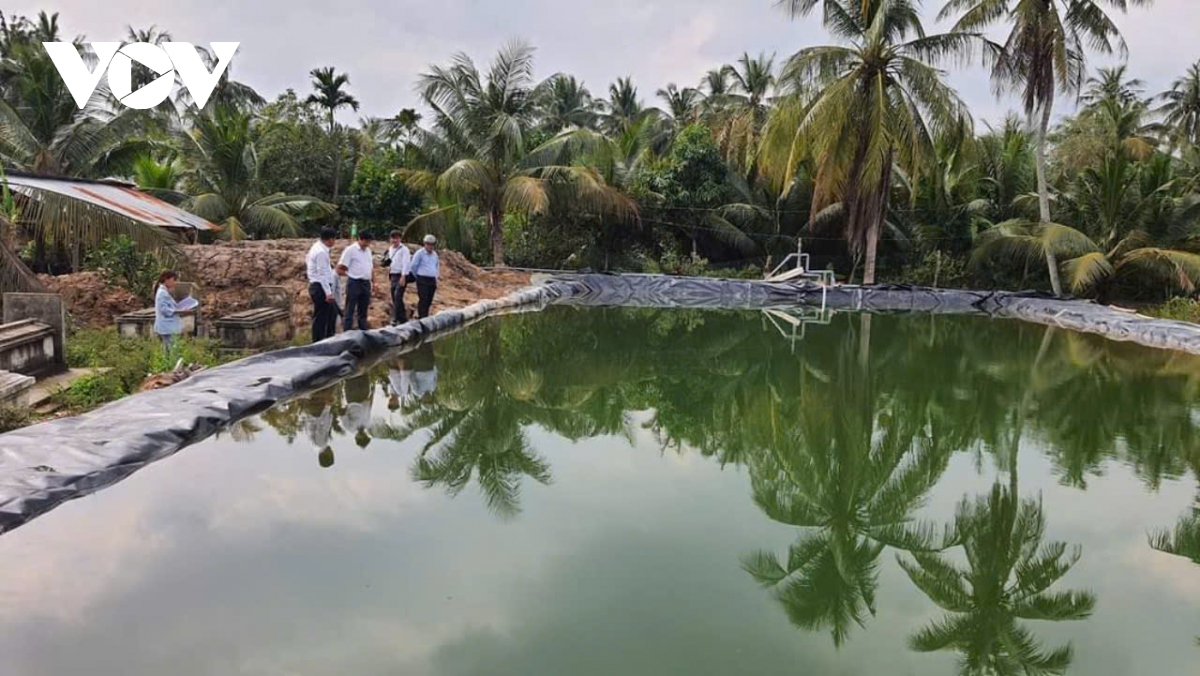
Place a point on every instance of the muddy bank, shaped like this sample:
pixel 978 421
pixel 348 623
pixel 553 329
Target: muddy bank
pixel 228 271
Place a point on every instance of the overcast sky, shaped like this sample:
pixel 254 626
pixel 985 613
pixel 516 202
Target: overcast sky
pixel 385 44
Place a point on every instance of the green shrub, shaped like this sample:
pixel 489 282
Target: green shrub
pixel 936 269
pixel 122 263
pixel 672 262
pixel 1183 309
pixel 91 391
pixel 379 198
pixel 12 417
pixel 127 362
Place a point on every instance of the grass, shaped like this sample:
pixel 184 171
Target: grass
pixel 127 362
pixel 1182 309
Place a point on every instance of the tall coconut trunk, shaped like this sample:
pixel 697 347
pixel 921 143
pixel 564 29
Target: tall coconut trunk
pixel 1044 191
pixel 876 212
pixel 496 230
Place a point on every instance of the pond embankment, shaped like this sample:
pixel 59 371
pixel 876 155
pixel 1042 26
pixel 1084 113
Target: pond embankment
pixel 229 271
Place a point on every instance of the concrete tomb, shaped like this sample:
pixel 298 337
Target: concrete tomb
pixel 268 322
pixel 33 335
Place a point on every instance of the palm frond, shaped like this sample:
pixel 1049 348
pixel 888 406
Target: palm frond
pixel 1179 268
pixel 1088 271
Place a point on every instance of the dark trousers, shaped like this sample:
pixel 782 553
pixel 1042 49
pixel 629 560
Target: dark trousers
pixel 426 286
pixel 399 313
pixel 324 321
pixel 358 299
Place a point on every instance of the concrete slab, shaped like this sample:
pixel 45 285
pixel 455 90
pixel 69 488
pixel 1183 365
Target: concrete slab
pixel 14 389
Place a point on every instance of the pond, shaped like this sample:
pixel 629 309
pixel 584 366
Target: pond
pixel 608 491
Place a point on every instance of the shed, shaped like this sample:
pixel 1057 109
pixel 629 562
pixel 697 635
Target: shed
pixel 118 197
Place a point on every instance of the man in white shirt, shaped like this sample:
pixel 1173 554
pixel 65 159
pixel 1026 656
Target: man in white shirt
pixel 320 286
pixel 398 260
pixel 358 261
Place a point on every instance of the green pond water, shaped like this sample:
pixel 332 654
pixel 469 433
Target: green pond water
pixel 653 492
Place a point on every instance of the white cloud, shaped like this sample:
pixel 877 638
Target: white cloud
pixel 385 45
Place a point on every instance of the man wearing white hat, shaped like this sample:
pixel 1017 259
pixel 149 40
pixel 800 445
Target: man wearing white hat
pixel 424 271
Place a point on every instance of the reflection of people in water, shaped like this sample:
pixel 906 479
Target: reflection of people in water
pixel 424 375
pixel 319 407
pixel 399 382
pixel 411 376
pixel 359 395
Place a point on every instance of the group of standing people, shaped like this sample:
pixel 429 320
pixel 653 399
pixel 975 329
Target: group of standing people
pixel 356 265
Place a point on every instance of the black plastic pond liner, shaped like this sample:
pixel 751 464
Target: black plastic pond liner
pixel 47 464
pixel 698 292
pixel 44 465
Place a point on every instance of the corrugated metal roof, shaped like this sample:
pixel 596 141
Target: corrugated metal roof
pixel 119 198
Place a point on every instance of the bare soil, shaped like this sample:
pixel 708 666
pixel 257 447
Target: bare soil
pixel 228 271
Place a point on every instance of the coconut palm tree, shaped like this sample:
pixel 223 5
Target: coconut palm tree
pixel 1043 54
pixel 624 109
pixel 221 173
pixel 154 176
pixel 152 35
pixel 568 105
pixel 41 128
pixel 1181 108
pixel 753 78
pixel 1006 168
pixel 478 150
pixel 744 108
pixel 715 89
pixel 944 211
pixel 682 104
pixel 330 94
pixel 878 103
pixel 1123 193
pixel 1089 267
pixel 42 131
pixel 406 121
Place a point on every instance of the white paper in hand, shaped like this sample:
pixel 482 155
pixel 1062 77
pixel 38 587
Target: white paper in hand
pixel 188 303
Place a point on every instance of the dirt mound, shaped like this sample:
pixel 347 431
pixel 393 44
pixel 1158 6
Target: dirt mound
pixel 90 300
pixel 228 271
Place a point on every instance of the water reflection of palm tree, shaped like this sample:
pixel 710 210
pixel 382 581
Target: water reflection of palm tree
pixel 848 468
pixel 490 446
pixel 1008 575
pixel 1007 578
pixel 475 421
pixel 1144 398
pixel 1184 540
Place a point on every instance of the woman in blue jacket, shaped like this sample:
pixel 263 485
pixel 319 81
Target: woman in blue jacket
pixel 167 322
